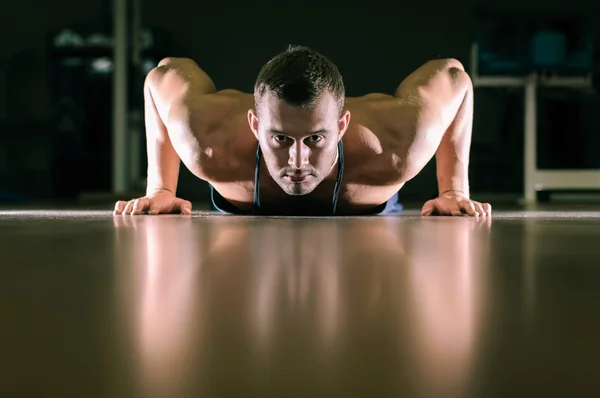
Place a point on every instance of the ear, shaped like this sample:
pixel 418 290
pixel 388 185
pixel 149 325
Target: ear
pixel 344 122
pixel 253 122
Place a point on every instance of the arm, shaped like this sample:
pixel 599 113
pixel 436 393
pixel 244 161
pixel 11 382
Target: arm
pixel 168 132
pixel 452 155
pixel 169 138
pixel 441 93
pixel 163 161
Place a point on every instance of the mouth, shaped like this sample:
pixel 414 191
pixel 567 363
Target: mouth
pixel 297 178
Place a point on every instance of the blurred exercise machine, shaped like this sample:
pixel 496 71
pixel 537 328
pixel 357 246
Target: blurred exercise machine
pixel 533 53
pixel 97 72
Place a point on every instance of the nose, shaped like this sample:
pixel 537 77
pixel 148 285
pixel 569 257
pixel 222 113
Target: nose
pixel 299 154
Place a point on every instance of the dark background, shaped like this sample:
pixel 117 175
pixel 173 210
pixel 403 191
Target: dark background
pixel 375 45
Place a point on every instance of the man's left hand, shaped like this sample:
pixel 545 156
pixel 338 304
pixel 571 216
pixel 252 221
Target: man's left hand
pixel 455 203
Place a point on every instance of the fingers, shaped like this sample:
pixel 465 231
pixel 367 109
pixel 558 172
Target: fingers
pixel 129 207
pixel 184 206
pixel 476 209
pixel 487 208
pixel 470 208
pixel 140 205
pixel 133 207
pixel 445 206
pixel 456 211
pixel 428 208
pixel 119 207
pixel 479 208
pixel 431 207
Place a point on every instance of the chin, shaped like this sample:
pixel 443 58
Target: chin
pixel 297 189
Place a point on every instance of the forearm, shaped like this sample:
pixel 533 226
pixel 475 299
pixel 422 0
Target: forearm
pixel 163 160
pixel 452 155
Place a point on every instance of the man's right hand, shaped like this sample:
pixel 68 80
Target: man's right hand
pixel 162 202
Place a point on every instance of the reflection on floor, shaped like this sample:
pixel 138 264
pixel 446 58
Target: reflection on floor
pixel 215 306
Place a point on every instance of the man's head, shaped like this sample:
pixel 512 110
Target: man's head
pixel 299 118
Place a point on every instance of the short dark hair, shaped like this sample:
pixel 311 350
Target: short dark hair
pixel 299 76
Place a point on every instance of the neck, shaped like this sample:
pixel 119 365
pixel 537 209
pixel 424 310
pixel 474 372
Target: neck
pixel 332 174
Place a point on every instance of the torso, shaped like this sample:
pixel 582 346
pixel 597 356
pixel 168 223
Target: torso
pixel 370 176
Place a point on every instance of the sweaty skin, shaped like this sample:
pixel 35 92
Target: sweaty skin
pixel 387 139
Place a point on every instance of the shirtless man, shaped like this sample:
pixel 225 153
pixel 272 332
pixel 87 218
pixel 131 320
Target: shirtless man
pixel 298 146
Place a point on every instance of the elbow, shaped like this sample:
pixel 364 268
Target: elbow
pixel 441 64
pixel 454 64
pixel 452 72
pixel 453 67
pixel 166 61
pixel 170 61
pixel 457 73
pixel 457 77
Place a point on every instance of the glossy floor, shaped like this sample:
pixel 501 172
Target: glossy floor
pixel 225 306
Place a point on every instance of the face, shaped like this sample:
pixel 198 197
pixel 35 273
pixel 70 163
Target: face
pixel 299 145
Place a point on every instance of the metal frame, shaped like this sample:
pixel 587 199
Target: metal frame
pixel 137 115
pixel 536 179
pixel 120 180
pixel 126 149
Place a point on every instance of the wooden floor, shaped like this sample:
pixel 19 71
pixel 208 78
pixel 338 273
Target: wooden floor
pixel 226 306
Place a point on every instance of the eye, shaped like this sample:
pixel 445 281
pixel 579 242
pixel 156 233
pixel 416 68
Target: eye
pixel 281 139
pixel 314 138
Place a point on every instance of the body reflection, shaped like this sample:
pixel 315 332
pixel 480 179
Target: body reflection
pixel 234 305
pixel 295 289
pixel 447 284
pixel 158 273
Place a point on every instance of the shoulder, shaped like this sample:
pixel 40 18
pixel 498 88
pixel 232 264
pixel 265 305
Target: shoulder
pixel 434 83
pixel 210 111
pixel 375 118
pixel 224 112
pixel 175 76
pixel 369 143
pixel 228 99
pixel 221 118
